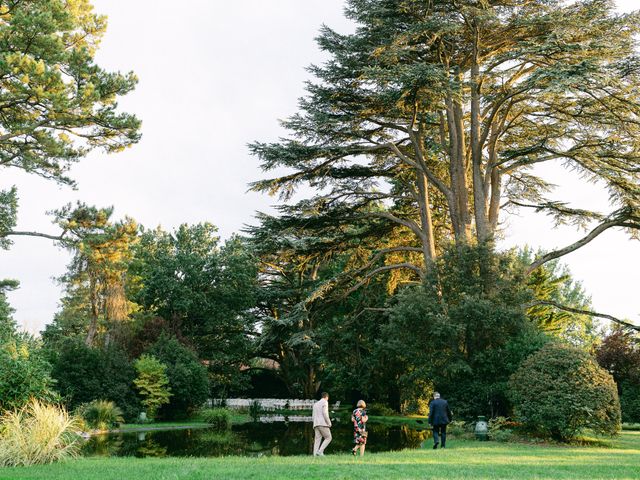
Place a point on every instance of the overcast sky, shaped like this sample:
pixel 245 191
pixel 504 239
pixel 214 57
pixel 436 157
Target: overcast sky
pixel 215 75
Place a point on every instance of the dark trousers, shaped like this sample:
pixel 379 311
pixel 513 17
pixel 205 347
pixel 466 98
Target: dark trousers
pixel 440 432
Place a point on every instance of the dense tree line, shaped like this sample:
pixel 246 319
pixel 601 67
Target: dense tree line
pixel 420 133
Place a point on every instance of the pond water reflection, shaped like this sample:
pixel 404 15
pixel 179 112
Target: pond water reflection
pixel 249 439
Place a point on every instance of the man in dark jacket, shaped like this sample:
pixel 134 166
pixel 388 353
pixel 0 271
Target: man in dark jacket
pixel 439 417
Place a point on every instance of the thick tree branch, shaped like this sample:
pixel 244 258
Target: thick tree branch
pixel 626 221
pixel 384 268
pixel 422 166
pixel 410 224
pixel 585 312
pixel 60 237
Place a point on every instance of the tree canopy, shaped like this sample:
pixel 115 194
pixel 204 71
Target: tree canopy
pixel 434 115
pixel 56 103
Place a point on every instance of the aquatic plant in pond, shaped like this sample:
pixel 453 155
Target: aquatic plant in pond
pixel 218 418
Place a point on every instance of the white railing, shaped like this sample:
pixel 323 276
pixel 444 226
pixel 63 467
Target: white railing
pixel 266 404
pixel 282 418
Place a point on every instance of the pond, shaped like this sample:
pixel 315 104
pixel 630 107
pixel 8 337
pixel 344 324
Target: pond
pixel 250 439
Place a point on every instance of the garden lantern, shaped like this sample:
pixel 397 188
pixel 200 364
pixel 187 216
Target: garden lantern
pixel 482 429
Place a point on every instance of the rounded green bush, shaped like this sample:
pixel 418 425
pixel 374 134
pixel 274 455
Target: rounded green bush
pixel 560 390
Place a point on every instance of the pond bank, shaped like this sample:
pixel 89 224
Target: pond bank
pixel 462 460
pixel 238 418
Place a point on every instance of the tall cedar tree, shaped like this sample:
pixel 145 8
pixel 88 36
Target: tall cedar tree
pixel 433 115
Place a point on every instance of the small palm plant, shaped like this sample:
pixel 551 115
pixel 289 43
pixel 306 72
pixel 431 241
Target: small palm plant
pixel 38 433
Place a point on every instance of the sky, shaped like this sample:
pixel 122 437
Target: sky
pixel 214 76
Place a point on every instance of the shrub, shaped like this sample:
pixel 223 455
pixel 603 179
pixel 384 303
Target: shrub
pixel 501 429
pixel 218 418
pixel 504 435
pixel 85 374
pixel 24 374
pixel 38 434
pixel 381 409
pixel 101 414
pixel 560 390
pixel 188 378
pixel 152 383
pixel 630 401
pixel 461 429
pixel 416 396
pixel 619 354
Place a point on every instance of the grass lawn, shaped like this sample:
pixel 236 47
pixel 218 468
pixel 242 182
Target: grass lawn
pixel 469 460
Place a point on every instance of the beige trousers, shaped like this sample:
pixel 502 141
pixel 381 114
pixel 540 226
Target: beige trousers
pixel 322 433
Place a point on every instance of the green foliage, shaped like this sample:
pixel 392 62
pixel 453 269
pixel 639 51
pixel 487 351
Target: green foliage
pixel 84 374
pixel 501 429
pixel 630 401
pixel 503 435
pixel 453 93
pixel 8 214
pixel 100 414
pixel 188 380
pixel 38 434
pixel 205 291
pixel 95 305
pixel 8 327
pixel 380 409
pixel 464 330
pixel 152 384
pixel 25 373
pixel 218 418
pixel 560 390
pixel 57 103
pixel 461 429
pixel 554 282
pixel 619 354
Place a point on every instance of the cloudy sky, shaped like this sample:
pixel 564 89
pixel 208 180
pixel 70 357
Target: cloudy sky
pixel 215 75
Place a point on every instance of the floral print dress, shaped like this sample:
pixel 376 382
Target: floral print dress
pixel 359 427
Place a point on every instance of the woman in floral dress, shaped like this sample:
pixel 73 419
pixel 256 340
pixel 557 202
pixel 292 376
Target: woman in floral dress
pixel 359 419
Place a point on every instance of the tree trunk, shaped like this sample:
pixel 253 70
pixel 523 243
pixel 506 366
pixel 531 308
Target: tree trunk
pixel 428 240
pixel 479 197
pixel 93 326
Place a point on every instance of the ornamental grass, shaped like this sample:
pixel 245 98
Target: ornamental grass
pixel 38 433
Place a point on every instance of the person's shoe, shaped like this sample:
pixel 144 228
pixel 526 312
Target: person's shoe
pixel 320 454
pixel 435 445
pixel 442 446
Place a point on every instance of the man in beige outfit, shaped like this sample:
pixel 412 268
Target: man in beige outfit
pixel 321 425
